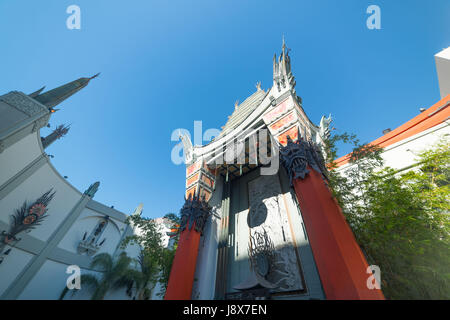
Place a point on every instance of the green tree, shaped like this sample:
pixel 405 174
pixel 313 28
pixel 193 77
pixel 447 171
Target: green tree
pixel 155 260
pixel 173 217
pixel 400 219
pixel 115 274
pixel 145 278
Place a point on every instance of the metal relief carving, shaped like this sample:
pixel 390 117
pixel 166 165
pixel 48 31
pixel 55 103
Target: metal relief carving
pixel 271 252
pixel 195 209
pixel 295 157
pixel 261 252
pixel 25 219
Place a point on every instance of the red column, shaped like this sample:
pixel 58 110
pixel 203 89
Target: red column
pixel 341 264
pixel 182 273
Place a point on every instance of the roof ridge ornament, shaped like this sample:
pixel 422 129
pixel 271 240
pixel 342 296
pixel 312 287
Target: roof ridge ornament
pixel 282 75
pixel 188 148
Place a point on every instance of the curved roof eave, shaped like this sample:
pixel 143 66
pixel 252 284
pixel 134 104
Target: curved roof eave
pixel 254 117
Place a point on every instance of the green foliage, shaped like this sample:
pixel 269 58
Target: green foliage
pixel 172 216
pixel 115 274
pixel 166 265
pixel 400 219
pixel 155 260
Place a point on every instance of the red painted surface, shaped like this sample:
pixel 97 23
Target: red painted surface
pixel 181 277
pixel 341 264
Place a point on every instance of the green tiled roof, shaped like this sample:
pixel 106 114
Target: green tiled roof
pixel 243 111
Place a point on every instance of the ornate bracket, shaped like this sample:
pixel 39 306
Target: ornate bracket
pixel 295 157
pixel 197 210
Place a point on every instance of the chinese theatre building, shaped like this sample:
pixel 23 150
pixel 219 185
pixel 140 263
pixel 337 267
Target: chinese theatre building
pixel 259 221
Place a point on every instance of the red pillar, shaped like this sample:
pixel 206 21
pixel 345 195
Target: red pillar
pixel 182 273
pixel 340 262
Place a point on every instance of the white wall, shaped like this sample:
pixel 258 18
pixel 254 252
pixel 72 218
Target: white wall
pixel 86 222
pixel 405 153
pixel 11 267
pixel 18 156
pixel 31 189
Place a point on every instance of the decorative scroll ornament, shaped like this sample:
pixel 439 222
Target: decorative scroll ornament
pixel 197 210
pixel 92 189
pixel 25 219
pixel 295 157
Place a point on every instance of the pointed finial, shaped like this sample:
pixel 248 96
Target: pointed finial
pixel 138 210
pixel 258 86
pixel 236 104
pixel 94 76
pixel 92 189
pixel 36 93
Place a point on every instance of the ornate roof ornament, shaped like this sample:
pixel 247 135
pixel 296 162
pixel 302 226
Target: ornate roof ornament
pixel 138 210
pixel 325 127
pixel 92 189
pixel 296 156
pixel 258 86
pixel 188 148
pixel 195 209
pixel 282 75
pixel 58 133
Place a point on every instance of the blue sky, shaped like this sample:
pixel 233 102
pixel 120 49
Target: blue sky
pixel 167 63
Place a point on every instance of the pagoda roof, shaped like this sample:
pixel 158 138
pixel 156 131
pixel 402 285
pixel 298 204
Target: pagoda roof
pixel 243 110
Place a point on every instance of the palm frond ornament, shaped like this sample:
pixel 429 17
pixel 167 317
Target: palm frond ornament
pixel 26 218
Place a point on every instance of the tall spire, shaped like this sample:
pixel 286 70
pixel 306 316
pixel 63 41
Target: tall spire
pixel 55 96
pixel 59 132
pixel 282 75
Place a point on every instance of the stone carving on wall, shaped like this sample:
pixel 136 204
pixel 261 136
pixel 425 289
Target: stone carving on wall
pixel 90 245
pixel 25 219
pixel 271 252
pixel 295 157
pixel 195 209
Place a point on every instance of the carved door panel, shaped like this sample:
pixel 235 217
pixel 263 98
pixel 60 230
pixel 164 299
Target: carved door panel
pixel 259 206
